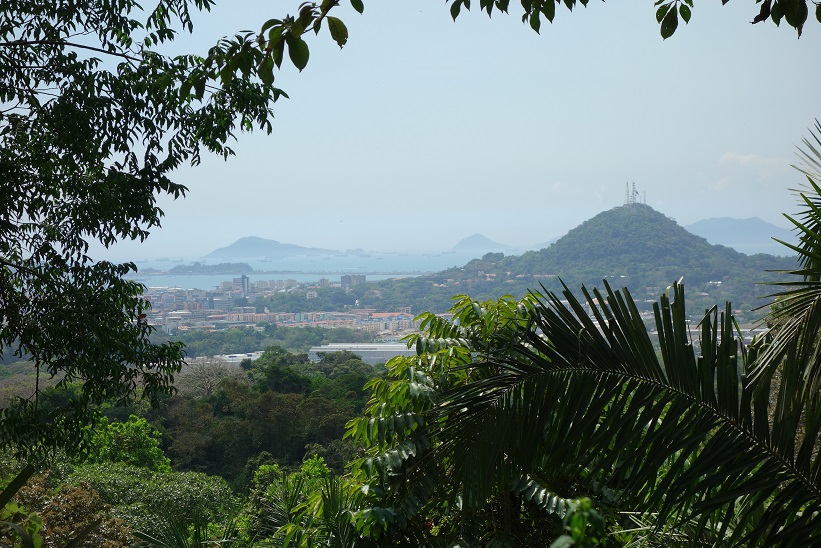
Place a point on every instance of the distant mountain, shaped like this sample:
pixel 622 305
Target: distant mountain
pixel 253 246
pixel 542 245
pixel 479 244
pixel 748 236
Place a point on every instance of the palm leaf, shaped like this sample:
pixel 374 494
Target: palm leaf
pixel 583 396
pixel 797 319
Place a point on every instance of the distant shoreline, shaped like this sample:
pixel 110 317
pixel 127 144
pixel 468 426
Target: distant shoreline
pixel 283 272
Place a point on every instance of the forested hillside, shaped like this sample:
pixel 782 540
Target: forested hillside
pixel 631 246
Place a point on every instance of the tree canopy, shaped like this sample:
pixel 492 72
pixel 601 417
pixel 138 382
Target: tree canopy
pixel 94 119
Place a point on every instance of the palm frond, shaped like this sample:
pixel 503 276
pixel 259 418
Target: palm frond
pixel 584 396
pixel 810 155
pixel 797 318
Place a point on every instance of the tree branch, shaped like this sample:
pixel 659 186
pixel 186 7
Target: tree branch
pixel 69 44
pixel 23 268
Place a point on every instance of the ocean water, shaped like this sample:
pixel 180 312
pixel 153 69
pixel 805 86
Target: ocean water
pixel 375 266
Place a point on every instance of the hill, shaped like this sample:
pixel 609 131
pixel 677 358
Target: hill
pixel 222 268
pixel 256 247
pixel 479 244
pixel 634 242
pixel 748 236
pixel 631 246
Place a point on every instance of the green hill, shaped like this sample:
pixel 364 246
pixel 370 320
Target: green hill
pixel 640 244
pixel 631 246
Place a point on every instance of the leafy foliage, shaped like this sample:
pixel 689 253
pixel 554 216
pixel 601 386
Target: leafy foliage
pixel 134 442
pixel 310 508
pixel 17 523
pixel 525 403
pixel 95 119
pixel 139 495
pixel 668 12
pixel 75 515
pixel 280 406
pixel 327 298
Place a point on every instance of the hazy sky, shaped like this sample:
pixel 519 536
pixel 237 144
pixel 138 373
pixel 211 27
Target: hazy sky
pixel 422 131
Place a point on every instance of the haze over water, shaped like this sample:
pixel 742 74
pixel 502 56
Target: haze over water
pixel 376 266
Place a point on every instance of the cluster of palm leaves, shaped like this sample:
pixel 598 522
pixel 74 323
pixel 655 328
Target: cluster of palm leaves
pixel 681 433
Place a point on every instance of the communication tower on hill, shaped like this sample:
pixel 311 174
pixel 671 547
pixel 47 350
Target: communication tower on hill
pixel 631 195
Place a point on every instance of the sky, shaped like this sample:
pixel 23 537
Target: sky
pixel 422 131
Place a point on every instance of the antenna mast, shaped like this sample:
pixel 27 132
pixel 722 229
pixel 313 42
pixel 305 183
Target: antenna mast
pixel 632 195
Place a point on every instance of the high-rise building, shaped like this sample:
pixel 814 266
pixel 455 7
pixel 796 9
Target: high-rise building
pixel 242 284
pixel 352 280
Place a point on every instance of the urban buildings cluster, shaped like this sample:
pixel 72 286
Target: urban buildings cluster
pixel 175 309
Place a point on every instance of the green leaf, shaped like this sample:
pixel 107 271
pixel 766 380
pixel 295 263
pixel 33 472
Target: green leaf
pixel 358 5
pixel 306 15
pixel 661 12
pixel 269 23
pixel 199 87
pixel 818 12
pixel 669 24
pixel 275 36
pixel 338 31
pixel 266 71
pixel 791 12
pixel 549 10
pixel 297 51
pixel 776 13
pixel 455 8
pixel 535 21
pixel 276 53
pixel 685 12
pixel 803 13
pixel 185 89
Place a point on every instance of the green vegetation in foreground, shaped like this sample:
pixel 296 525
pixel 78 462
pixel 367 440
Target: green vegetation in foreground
pixel 481 438
pixel 226 424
